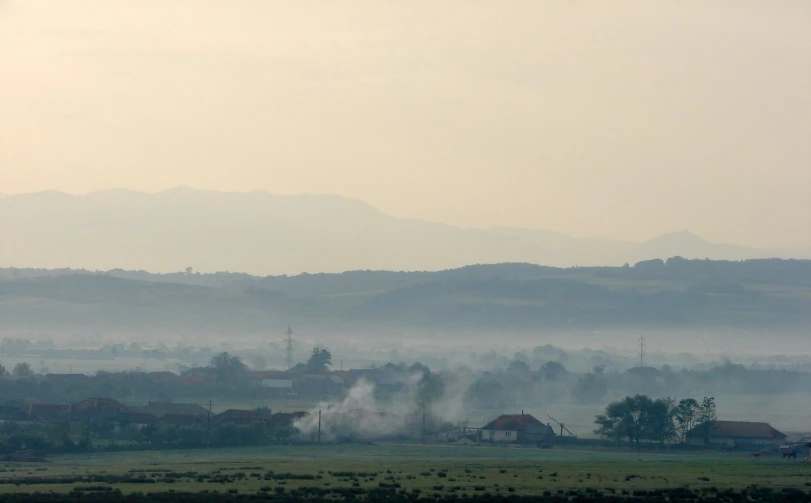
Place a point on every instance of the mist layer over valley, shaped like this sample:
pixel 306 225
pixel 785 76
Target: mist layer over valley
pixel 747 305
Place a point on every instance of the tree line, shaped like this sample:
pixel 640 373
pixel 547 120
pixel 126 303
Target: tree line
pixel 639 418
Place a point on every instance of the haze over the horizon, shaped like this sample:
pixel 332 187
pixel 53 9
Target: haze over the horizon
pixel 619 119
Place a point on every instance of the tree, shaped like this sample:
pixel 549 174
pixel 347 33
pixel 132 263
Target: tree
pixel 3 370
pixel 637 418
pixel 706 417
pixel 620 420
pixel 229 370
pixel 22 369
pixel 589 389
pixel 418 367
pixel 685 414
pixel 658 421
pixel 517 366
pixel 552 370
pixel 430 388
pixel 320 359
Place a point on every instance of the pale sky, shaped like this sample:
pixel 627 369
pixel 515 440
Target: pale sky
pixel 592 118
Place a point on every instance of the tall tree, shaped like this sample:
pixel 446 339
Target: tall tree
pixel 706 417
pixel 552 370
pixel 658 423
pixel 430 388
pixel 320 359
pixel 229 370
pixel 637 418
pixel 22 369
pixel 685 414
pixel 590 389
pixel 623 419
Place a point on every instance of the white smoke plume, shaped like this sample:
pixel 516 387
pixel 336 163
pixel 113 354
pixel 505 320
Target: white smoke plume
pixel 360 416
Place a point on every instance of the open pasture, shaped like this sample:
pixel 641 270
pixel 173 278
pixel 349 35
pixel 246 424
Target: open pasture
pixel 342 471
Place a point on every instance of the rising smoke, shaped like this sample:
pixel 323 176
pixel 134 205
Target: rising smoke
pixel 365 414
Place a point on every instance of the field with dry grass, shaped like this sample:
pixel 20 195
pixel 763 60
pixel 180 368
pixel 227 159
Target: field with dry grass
pixel 428 472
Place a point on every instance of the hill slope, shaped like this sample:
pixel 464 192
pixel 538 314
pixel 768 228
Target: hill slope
pixel 754 295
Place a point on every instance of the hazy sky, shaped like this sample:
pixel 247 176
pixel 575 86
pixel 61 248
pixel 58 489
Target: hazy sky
pixel 620 119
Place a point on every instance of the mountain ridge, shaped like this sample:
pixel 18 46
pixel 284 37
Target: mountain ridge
pixel 263 233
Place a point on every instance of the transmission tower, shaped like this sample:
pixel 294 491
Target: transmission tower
pixel 642 348
pixel 288 346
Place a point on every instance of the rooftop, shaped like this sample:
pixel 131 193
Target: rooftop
pixel 743 429
pixel 514 422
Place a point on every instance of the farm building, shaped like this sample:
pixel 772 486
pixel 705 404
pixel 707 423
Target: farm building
pixel 517 428
pixel 736 432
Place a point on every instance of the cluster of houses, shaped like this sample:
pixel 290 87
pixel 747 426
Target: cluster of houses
pixel 508 429
pixel 123 419
pixel 526 429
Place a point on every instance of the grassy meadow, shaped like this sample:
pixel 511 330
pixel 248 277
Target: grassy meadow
pixel 428 471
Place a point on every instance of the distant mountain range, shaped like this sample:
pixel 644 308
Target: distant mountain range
pixel 262 233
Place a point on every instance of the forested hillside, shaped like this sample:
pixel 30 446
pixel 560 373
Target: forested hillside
pixel 757 294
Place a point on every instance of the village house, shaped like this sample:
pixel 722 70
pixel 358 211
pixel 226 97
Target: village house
pixel 160 409
pixel 517 428
pixel 48 412
pixel 238 417
pixel 99 405
pixel 12 414
pixel 732 433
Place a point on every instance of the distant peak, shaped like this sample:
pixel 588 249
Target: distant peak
pixel 680 237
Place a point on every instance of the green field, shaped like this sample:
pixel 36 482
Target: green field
pixel 432 470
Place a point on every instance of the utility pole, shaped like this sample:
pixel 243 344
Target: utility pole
pixel 289 346
pixel 88 431
pixel 423 422
pixel 642 348
pixel 319 426
pixel 208 428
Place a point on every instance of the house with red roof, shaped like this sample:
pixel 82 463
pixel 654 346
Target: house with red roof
pixel 736 433
pixel 517 428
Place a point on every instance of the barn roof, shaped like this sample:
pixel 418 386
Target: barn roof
pixel 514 422
pixel 742 429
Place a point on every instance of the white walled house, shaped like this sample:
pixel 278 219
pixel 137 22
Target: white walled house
pixel 517 428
